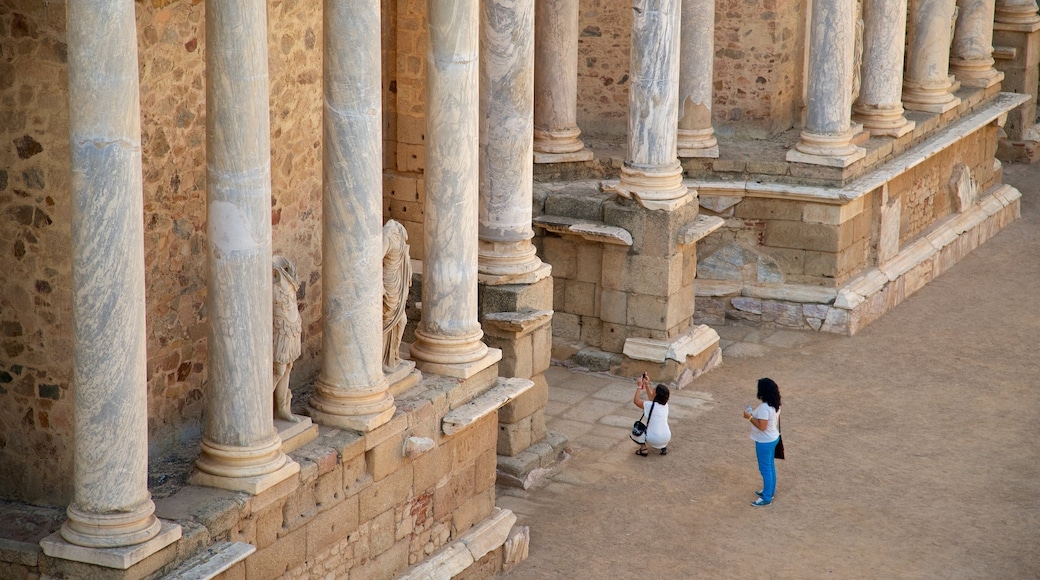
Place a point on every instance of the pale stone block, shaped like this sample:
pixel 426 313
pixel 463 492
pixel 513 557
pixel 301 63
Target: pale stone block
pixel 120 558
pixel 837 322
pixel 382 495
pixel 911 256
pixel 563 255
pixel 761 208
pixel 212 561
pixel 386 457
pixel 718 203
pixel 381 532
pixel 504 391
pixel 691 343
pixel 515 324
pixel 432 469
pixel 800 235
pixel 580 298
pixel 752 305
pixel 613 306
pixel 782 313
pixel 526 403
pixel 514 437
pixel 717 287
pixel 566 326
pixel 699 229
pixel 888 238
pixel 791 293
pixel 822 213
pixel 541 350
pixel 489 534
pixel 590 257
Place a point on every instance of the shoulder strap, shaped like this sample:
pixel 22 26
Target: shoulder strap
pixel 651 412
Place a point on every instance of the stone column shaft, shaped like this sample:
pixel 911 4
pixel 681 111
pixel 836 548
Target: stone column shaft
pixel 971 57
pixel 111 505
pixel 240 440
pixel 556 83
pixel 826 138
pixel 351 392
pixel 696 136
pixel 880 106
pixel 651 171
pixel 926 85
pixel 449 332
pixel 1016 11
pixel 505 251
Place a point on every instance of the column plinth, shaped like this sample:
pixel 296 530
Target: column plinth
pixel 556 84
pixel 827 137
pixel 1016 12
pixel 695 136
pixel 352 391
pixel 449 332
pixel 241 449
pixel 879 107
pixel 927 85
pixel 971 56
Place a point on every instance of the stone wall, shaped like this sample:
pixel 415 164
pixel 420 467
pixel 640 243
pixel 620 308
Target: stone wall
pixel 35 299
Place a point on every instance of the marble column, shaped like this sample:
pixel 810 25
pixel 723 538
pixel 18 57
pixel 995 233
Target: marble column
pixel 827 136
pixel 651 172
pixel 352 391
pixel 696 136
pixel 240 447
pixel 971 56
pixel 449 332
pixel 505 252
pixel 880 107
pixel 111 504
pixel 556 83
pixel 1016 11
pixel 926 84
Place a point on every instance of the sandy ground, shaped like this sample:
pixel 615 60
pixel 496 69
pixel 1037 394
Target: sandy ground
pixel 912 450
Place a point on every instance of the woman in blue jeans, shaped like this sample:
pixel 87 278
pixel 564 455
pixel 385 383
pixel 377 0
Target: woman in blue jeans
pixel 765 432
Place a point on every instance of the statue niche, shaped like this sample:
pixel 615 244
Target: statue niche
pixel 288 327
pixel 397 278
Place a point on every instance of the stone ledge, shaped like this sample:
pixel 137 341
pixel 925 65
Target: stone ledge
pixel 505 390
pixel 690 343
pixel 469 548
pixel 211 561
pixel 588 230
pixel 517 323
pixel 699 229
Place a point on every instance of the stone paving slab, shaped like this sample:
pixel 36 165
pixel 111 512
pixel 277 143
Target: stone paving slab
pixel 591 410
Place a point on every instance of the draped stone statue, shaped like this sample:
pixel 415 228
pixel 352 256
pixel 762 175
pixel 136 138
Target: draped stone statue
pixel 397 278
pixel 288 326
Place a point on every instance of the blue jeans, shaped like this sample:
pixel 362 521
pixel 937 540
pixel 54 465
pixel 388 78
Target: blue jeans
pixel 767 467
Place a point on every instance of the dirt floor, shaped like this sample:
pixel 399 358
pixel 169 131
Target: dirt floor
pixel 913 450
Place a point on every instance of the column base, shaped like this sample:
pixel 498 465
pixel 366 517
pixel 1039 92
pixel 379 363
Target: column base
pixel 295 435
pixel 827 150
pixel 543 158
pixel 975 73
pixel 543 271
pixel 252 485
pixel 120 558
pixel 697 143
pixel 450 350
pixel 507 260
pixel 882 121
pixel 362 423
pixel 654 187
pixel 461 370
pixel 937 98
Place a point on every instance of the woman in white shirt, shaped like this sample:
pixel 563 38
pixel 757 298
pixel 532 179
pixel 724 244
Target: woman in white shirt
pixel 765 432
pixel 658 434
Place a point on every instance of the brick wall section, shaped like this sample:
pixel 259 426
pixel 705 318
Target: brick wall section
pixel 35 299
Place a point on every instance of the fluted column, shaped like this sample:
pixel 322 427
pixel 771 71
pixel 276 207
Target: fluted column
pixel 449 332
pixel 1016 11
pixel 696 136
pixel 556 83
pixel 352 391
pixel 505 252
pixel 971 57
pixel 111 504
pixel 651 172
pixel 880 106
pixel 240 447
pixel 926 85
pixel 826 138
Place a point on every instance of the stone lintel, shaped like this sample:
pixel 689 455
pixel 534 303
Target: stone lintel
pixel 211 561
pixel 543 271
pixel 588 230
pixel 574 157
pixel 701 152
pixel 699 229
pixel 842 161
pixel 691 343
pixel 461 370
pixel 505 390
pixel 120 558
pixel 516 323
pixel 295 435
pixel 251 485
pixel 791 293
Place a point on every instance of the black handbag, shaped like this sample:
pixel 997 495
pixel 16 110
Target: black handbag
pixel 639 427
pixel 778 452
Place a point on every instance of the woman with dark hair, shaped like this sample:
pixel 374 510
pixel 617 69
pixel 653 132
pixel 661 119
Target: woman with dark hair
pixel 658 434
pixel 765 432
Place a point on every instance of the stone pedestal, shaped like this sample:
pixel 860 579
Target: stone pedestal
pixel 556 83
pixel 696 136
pixel 971 57
pixel 111 507
pixel 827 137
pixel 927 85
pixel 240 448
pixel 352 392
pixel 1016 39
pixel 879 107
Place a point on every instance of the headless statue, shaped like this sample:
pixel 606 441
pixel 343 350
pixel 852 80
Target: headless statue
pixel 397 277
pixel 288 327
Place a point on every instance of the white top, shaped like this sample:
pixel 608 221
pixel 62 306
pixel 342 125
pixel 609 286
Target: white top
pixel 772 432
pixel 658 434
